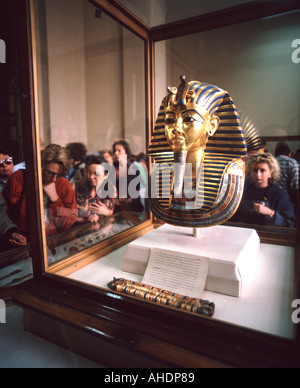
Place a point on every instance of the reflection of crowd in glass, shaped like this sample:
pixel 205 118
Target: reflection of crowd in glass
pixel 77 188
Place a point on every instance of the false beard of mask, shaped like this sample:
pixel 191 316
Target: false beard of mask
pixel 179 170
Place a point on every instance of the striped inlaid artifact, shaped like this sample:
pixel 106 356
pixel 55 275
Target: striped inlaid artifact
pixel 198 139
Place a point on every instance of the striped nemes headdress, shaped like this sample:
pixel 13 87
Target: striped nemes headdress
pixel 220 189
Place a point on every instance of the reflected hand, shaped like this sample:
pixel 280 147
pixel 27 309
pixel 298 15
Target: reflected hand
pixel 18 240
pixel 259 208
pixel 100 209
pixel 50 191
pixel 93 218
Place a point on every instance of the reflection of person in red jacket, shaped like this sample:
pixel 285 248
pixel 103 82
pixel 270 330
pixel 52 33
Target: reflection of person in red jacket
pixel 60 206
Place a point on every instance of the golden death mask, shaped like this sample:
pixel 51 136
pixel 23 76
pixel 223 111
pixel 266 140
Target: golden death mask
pixel 198 147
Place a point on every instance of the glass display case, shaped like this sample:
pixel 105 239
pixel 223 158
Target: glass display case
pixel 94 73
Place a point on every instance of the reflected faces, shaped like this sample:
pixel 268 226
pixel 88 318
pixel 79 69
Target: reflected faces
pixel 261 175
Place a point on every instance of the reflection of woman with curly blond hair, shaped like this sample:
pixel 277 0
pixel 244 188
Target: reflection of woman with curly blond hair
pixel 263 201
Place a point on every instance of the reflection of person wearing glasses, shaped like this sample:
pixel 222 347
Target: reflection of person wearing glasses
pixel 264 203
pixel 6 167
pixel 59 198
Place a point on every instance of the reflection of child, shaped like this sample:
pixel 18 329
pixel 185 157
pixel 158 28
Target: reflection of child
pixel 93 201
pixel 82 204
pixel 88 206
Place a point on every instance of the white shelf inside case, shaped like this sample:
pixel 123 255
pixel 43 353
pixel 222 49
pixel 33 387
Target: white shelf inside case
pixel 232 252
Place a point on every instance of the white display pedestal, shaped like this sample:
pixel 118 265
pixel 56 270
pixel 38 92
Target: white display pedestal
pixel 232 253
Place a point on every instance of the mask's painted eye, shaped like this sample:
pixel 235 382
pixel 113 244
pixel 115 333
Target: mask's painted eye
pixel 190 119
pixel 170 121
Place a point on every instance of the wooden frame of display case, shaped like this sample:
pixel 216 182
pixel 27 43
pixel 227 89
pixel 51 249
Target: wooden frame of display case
pixel 131 332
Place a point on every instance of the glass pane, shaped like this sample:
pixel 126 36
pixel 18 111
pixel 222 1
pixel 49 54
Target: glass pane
pixel 15 261
pixel 158 12
pixel 91 90
pixel 256 63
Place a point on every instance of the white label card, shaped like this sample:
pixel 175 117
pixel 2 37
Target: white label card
pixel 178 272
